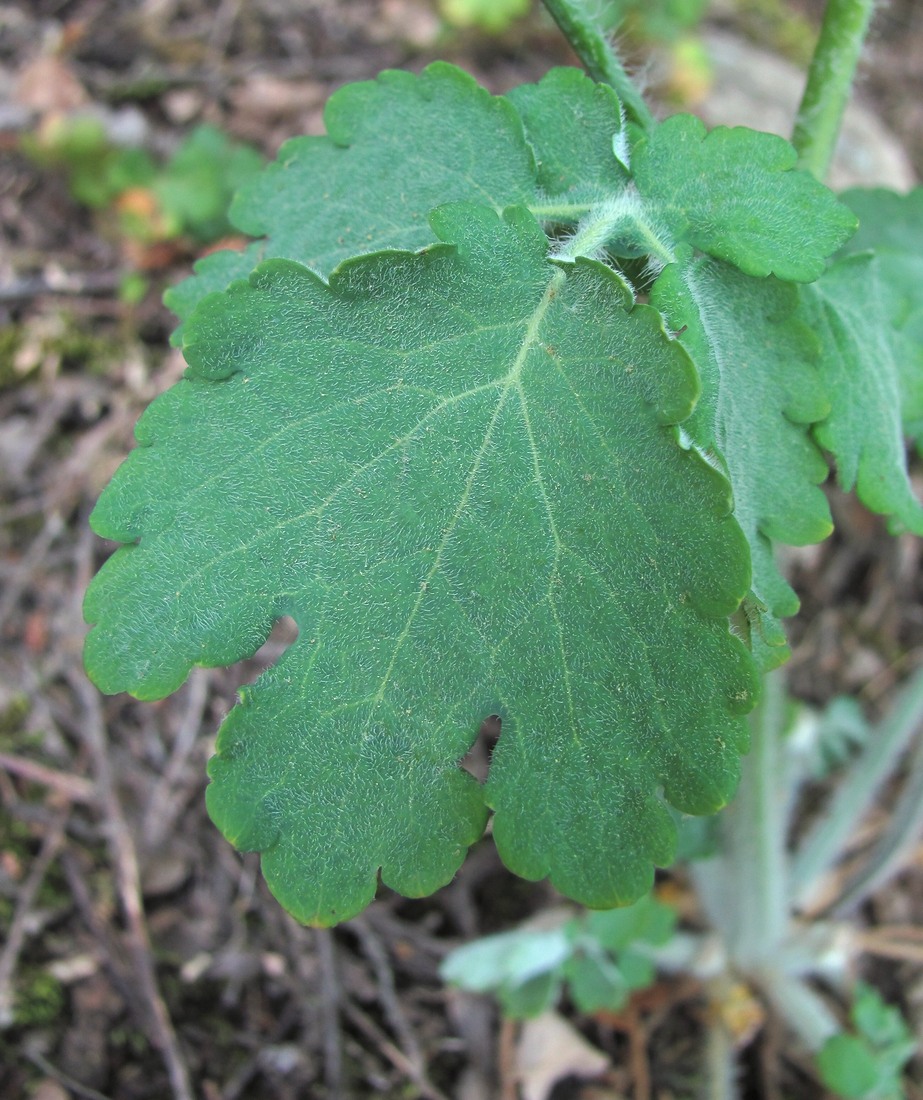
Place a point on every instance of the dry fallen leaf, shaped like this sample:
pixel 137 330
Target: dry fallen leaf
pixel 549 1050
pixel 48 84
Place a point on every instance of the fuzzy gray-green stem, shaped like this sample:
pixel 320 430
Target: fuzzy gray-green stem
pixel 800 1006
pixel 720 1064
pixel 829 82
pixel 753 839
pixel 589 43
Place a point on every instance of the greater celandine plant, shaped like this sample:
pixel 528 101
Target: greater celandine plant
pixel 509 406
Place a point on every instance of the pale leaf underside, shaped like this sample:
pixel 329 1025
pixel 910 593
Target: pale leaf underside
pixel 892 225
pixel 761 393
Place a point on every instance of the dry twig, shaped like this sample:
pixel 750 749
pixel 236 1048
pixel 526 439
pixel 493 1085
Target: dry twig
pixel 71 787
pixel 9 956
pixel 330 1013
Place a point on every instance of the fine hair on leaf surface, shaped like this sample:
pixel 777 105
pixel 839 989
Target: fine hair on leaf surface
pixel 458 443
pixel 427 417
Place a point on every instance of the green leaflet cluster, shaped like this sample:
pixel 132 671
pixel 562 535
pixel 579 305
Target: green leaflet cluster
pixel 426 417
pixel 599 958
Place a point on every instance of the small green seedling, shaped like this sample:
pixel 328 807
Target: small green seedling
pixel 188 195
pixel 598 958
pixel 867 1065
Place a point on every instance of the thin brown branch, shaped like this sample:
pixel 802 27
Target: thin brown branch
pixel 128 881
pixel 331 997
pixel 71 787
pixel 9 956
pixel 390 1051
pixel 375 951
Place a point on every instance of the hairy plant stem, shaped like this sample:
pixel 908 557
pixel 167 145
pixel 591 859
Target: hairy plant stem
pixel 598 58
pixel 803 1010
pixel 752 910
pixel 720 1062
pixel 744 892
pixel 830 78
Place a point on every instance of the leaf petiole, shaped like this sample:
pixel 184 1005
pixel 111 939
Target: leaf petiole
pixel 623 218
pixel 599 59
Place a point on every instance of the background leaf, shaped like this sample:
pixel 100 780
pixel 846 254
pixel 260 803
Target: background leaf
pixel 735 193
pixel 892 225
pixel 864 430
pixel 761 392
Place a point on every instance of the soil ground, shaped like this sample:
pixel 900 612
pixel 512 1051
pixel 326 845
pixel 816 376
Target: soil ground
pixel 138 950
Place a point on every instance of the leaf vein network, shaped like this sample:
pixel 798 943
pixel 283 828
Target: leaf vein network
pixel 508 383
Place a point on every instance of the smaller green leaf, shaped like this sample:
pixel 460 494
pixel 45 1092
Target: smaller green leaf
pixel 867 1066
pixel 595 983
pixel 892 225
pixel 880 1023
pixel 525 1002
pixel 521 968
pixel 506 959
pixel 573 125
pixel 648 921
pixel 849 1067
pixel 762 390
pixel 864 429
pixel 736 194
pixel 594 954
pixel 198 183
pixel 637 969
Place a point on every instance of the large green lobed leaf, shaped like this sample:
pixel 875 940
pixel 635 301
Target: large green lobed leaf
pixel 458 471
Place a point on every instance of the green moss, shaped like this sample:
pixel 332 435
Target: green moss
pixel 39 999
pixel 9 347
pixel 54 342
pixel 14 709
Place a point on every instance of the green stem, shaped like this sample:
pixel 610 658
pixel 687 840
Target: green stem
pixel 720 1062
pixel 830 78
pixel 599 59
pixel 755 835
pixel 754 915
pixel 802 1009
